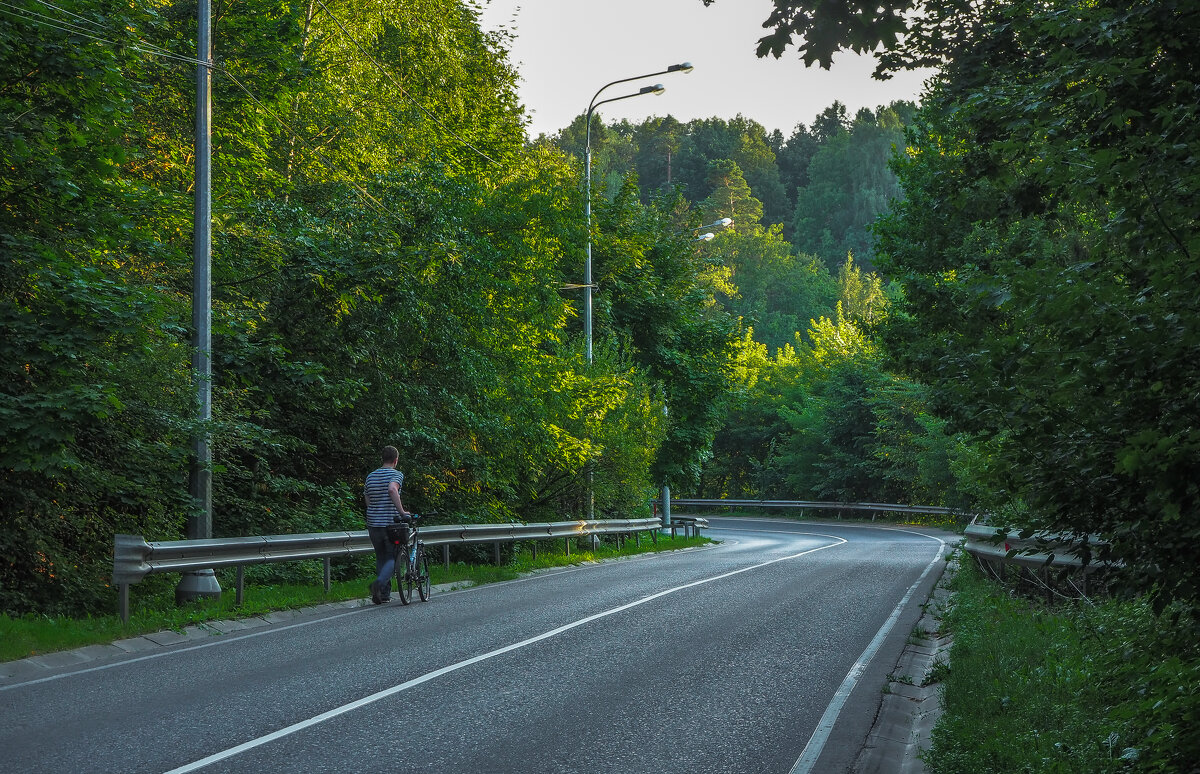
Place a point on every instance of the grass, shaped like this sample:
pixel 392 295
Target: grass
pixel 153 609
pixel 1065 688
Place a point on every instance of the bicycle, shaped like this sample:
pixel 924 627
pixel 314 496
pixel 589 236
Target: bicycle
pixel 412 568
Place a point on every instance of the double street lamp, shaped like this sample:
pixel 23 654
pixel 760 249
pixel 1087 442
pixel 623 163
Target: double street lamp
pixel 709 236
pixel 684 67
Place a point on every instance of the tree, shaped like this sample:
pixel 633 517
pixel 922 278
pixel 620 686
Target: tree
pixel 793 160
pixel 657 294
pixel 849 183
pixel 730 197
pixel 658 142
pixel 1048 227
pixel 743 142
pixel 91 392
pixel 388 268
pixel 778 292
pixel 861 295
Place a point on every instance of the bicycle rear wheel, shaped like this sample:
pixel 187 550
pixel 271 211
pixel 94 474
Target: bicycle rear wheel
pixel 403 572
pixel 423 583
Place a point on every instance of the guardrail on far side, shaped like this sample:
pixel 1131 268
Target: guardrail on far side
pixel 872 508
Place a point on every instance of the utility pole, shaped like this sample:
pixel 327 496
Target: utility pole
pixel 202 583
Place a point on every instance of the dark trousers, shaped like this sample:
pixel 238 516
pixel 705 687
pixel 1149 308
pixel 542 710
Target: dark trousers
pixel 385 561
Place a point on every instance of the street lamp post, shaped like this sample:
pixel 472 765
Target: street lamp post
pixel 684 67
pixel 658 88
pixel 202 583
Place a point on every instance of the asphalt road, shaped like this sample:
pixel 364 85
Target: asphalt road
pixel 764 654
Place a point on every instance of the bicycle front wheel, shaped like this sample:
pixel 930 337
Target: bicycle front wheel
pixel 403 573
pixel 423 583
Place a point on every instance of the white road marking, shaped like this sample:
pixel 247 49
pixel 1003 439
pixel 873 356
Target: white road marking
pixel 239 635
pixel 295 727
pixel 816 744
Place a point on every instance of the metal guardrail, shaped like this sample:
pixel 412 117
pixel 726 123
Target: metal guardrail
pixel 1035 552
pixel 689 524
pixel 816 505
pixel 134 558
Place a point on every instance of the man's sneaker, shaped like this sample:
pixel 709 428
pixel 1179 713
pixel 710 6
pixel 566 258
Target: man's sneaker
pixel 376 597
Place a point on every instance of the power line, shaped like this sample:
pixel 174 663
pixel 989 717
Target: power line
pixel 75 29
pixel 387 73
pixel 149 48
pixel 371 200
pixel 70 13
pixel 31 12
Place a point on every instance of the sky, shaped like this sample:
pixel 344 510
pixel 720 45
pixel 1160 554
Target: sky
pixel 565 50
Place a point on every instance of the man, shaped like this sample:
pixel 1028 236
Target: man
pixel 382 491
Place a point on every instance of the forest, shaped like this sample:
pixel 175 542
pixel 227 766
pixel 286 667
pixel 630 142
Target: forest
pixel 985 301
pixel 409 275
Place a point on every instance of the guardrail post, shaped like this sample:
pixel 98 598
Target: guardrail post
pixel 446 556
pixel 240 594
pixel 328 578
pixel 123 602
pixel 533 549
pixel 567 543
pixel 496 552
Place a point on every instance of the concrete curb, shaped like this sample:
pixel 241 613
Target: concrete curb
pixel 45 664
pixel 911 703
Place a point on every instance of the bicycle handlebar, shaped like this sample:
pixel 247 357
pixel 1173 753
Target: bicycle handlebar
pixel 411 517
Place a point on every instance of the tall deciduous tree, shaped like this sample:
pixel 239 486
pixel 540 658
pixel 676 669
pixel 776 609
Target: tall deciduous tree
pixel 1047 238
pixel 91 390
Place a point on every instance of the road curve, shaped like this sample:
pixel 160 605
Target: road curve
pixel 765 653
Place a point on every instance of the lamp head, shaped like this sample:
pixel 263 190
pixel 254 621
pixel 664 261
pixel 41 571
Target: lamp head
pixel 681 67
pixel 657 88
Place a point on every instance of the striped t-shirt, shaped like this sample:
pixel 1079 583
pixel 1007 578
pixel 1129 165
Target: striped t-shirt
pixel 380 508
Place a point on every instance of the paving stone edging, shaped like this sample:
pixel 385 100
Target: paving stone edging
pixel 911 704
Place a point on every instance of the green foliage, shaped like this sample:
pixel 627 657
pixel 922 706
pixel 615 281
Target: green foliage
pixel 91 393
pixel 823 420
pixel 778 291
pixel 388 266
pixel 849 184
pixel 658 296
pixel 730 197
pixel 1044 245
pixel 1110 688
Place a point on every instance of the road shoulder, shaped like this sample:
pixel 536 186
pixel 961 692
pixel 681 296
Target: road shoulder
pixel 912 702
